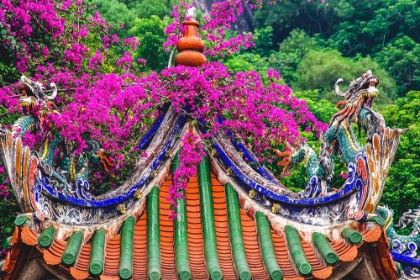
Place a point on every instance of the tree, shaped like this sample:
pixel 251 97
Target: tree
pixel 117 14
pixel 402 59
pixel 321 69
pixel 402 187
pixel 291 52
pixel 148 8
pixel 246 62
pixel 151 34
pixel 263 41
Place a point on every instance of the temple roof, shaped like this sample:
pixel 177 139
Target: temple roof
pixel 246 246
pixel 237 221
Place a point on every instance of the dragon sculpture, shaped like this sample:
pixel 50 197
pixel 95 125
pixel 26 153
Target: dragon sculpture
pixel 411 217
pixel 57 159
pixel 339 140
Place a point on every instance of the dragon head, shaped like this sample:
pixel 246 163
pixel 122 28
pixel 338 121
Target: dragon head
pixel 360 94
pixel 364 87
pixel 31 93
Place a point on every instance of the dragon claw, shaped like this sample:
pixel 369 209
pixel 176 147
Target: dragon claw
pixel 283 154
pixel 286 155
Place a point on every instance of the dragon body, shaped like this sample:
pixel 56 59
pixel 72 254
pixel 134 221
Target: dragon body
pixel 412 217
pixel 340 139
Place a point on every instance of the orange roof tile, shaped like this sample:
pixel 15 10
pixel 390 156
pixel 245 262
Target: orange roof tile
pixel 166 235
pixel 54 254
pixel 112 257
pixel 80 270
pixel 195 231
pixel 222 231
pixel 372 235
pixel 140 252
pixel 29 237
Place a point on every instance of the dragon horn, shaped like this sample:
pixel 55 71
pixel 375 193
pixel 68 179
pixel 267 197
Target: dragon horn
pixel 337 89
pixel 27 82
pixel 54 94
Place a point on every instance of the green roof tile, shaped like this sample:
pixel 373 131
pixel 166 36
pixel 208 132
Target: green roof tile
pixel 324 248
pixel 46 237
pixel 96 264
pixel 352 236
pixel 207 219
pixel 153 235
pixel 296 250
pixel 126 249
pixel 181 238
pixel 267 247
pixel 235 234
pixel 72 248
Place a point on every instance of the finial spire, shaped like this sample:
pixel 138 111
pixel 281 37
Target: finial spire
pixel 190 46
pixel 191 13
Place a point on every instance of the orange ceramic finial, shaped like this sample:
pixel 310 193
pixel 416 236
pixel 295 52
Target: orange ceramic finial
pixel 190 46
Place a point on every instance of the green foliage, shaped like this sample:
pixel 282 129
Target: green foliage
pixel 402 187
pixel 148 8
pixel 8 205
pixel 151 34
pixel 323 109
pixel 122 13
pixel 384 30
pixel 394 19
pixel 263 40
pixel 314 17
pixel 246 62
pixel 291 52
pixel 402 59
pixel 9 209
pixel 298 43
pixel 7 72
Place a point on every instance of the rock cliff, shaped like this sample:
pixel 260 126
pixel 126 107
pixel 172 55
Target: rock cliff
pixel 244 23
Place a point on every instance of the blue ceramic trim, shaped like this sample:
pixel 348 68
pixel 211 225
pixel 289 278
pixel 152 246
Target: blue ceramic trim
pixel 406 259
pixel 44 183
pixel 356 185
pixel 148 136
pixel 248 156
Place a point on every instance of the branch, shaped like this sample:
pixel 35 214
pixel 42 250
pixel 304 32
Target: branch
pixel 170 57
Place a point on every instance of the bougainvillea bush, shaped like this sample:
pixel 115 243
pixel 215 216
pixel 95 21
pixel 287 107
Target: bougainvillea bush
pixel 105 96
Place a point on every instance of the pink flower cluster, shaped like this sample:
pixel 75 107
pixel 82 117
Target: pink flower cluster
pixel 21 20
pixel 189 157
pixel 76 54
pixel 125 61
pixel 257 114
pixel 4 191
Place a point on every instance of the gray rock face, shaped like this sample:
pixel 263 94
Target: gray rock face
pixel 244 23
